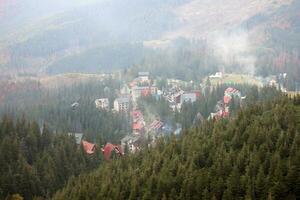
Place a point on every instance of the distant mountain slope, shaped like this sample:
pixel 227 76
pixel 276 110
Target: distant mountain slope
pixel 65 35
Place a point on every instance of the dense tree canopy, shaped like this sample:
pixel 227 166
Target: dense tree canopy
pixel 255 156
pixel 35 162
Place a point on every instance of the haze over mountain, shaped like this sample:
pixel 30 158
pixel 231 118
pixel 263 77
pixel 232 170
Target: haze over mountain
pixel 101 35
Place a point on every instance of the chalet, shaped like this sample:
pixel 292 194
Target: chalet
pixel 227 99
pixel 88 147
pixel 109 149
pixel 77 136
pixel 155 126
pixel 137 116
pixel 138 127
pixel 102 104
pixel 122 104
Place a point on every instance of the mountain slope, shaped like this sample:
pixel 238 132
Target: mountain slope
pixel 66 34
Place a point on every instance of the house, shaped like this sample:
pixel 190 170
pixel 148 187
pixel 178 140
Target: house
pixel 77 136
pixel 88 147
pixel 139 91
pixel 132 142
pixel 232 92
pixel 227 99
pixel 109 148
pixel 102 104
pixel 188 97
pixel 155 126
pixel 174 95
pixel 137 116
pixel 122 104
pixel 138 127
pixel 144 77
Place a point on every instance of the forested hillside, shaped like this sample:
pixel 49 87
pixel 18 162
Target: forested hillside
pixel 53 106
pixel 255 156
pixel 35 162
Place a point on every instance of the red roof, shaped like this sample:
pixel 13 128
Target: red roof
pixel 89 148
pixel 137 126
pixel 227 99
pixel 231 90
pixel 156 125
pixel 109 148
pixel 146 92
pixel 198 93
pixel 137 114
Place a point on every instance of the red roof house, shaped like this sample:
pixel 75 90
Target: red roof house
pixel 109 148
pixel 89 148
pixel 227 99
pixel 137 126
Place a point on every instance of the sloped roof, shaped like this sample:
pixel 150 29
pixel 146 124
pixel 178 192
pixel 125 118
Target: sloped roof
pixel 137 126
pixel 108 148
pixel 155 125
pixel 227 99
pixel 89 148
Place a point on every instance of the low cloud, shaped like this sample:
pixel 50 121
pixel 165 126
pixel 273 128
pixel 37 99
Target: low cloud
pixel 234 50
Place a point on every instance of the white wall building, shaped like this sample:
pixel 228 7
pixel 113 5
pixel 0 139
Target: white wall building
pixel 102 104
pixel 122 104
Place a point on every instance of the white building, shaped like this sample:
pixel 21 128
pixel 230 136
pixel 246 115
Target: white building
pixel 102 104
pixel 138 91
pixel 144 76
pixel 132 142
pixel 122 104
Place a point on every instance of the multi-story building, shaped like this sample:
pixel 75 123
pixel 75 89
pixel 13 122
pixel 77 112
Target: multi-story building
pixel 122 104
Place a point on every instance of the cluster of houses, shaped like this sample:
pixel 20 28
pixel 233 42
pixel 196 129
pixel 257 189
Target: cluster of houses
pixel 176 97
pixel 90 148
pixel 222 108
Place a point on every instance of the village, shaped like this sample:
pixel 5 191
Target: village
pixel 144 133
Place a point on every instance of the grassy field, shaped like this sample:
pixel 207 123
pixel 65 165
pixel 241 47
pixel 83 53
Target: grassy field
pixel 237 79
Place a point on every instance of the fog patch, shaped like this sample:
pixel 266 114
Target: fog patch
pixel 234 50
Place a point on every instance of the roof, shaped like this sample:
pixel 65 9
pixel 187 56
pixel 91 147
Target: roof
pixel 144 73
pixel 137 126
pixel 231 90
pixel 89 148
pixel 122 100
pixel 109 148
pixel 155 125
pixel 227 99
pixel 137 116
